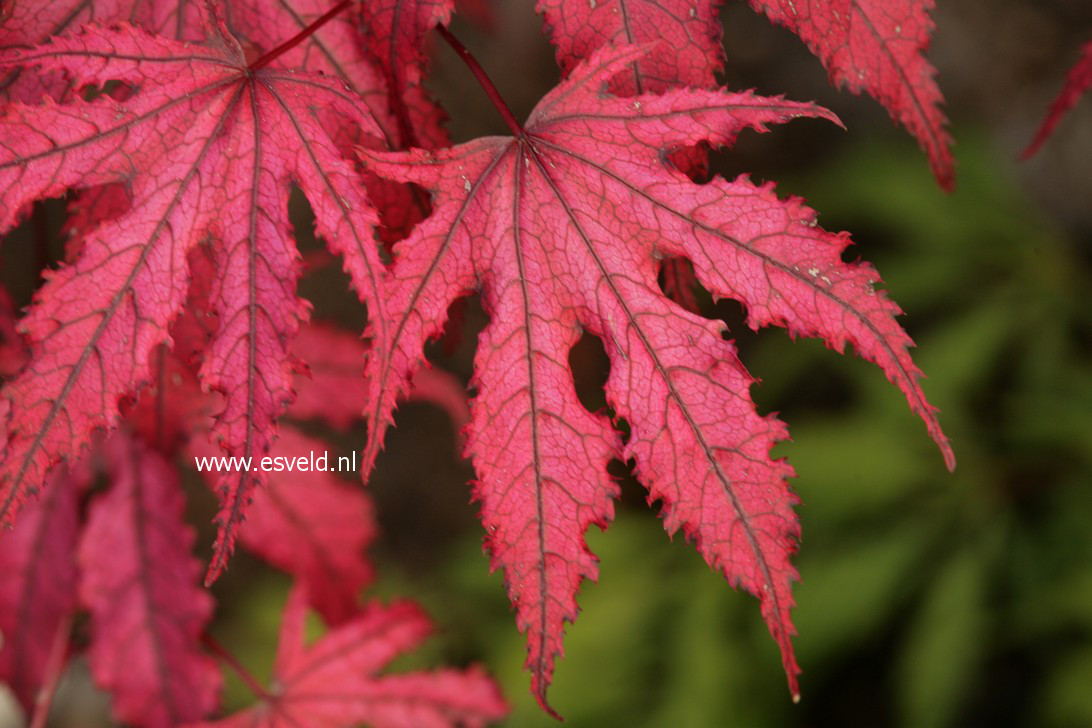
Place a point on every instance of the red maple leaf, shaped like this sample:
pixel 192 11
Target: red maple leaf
pixel 686 38
pixel 1078 80
pixel 335 682
pixel 30 22
pixel 336 390
pixel 140 583
pixel 396 30
pixel 310 524
pixel 686 50
pixel 561 229
pixel 207 146
pixel 340 48
pixel 37 586
pixel 180 259
pixel 878 46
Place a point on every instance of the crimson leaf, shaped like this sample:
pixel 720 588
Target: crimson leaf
pixel 335 682
pixel 207 146
pixel 561 228
pixel 139 581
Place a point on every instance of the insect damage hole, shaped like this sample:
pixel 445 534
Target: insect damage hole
pixel 678 282
pixel 590 368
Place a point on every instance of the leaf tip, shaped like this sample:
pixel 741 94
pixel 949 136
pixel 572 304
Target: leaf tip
pixel 539 691
pixel 949 456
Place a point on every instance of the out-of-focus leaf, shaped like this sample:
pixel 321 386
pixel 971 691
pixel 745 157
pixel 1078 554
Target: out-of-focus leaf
pixel 944 646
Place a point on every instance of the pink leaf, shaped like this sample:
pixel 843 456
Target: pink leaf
pixel 562 230
pixel 314 526
pixel 685 36
pixel 878 46
pixel 30 22
pixel 397 29
pixel 336 391
pixel 37 585
pixel 336 682
pixel 208 147
pixel 1077 82
pixel 139 581
pixel 338 49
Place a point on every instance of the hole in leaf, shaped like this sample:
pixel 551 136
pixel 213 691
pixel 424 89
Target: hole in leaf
pixel 678 282
pixel 734 315
pixel 454 349
pixel 693 161
pixel 633 495
pixel 324 282
pixel 401 208
pixel 590 368
pixel 118 90
pixel 36 245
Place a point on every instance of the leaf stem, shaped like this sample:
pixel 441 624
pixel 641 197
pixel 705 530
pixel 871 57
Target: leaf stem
pixel 299 37
pixel 233 662
pixel 483 79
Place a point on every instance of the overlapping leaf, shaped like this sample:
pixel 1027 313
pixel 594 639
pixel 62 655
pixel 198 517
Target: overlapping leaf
pixel 337 682
pixel 561 229
pixel 30 22
pixel 878 46
pixel 396 30
pixel 140 583
pixel 37 586
pixel 207 147
pixel 314 526
pixel 685 50
pixel 1078 80
pixel 686 38
pixel 336 391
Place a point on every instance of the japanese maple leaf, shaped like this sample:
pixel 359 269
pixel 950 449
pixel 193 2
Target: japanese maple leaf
pixel 336 391
pixel 140 583
pixel 1078 80
pixel 30 22
pixel 686 34
pixel 561 229
pixel 686 51
pixel 13 353
pixel 878 46
pixel 37 586
pixel 396 31
pixel 207 147
pixel 335 682
pixel 340 48
pixel 310 524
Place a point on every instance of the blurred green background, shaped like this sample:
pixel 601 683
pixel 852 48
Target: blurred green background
pixel 926 599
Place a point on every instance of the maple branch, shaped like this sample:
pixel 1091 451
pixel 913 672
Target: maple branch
pixel 54 667
pixel 233 662
pixel 483 79
pixel 299 37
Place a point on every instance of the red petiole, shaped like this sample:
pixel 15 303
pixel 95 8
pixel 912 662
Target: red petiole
pixel 483 79
pixel 299 37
